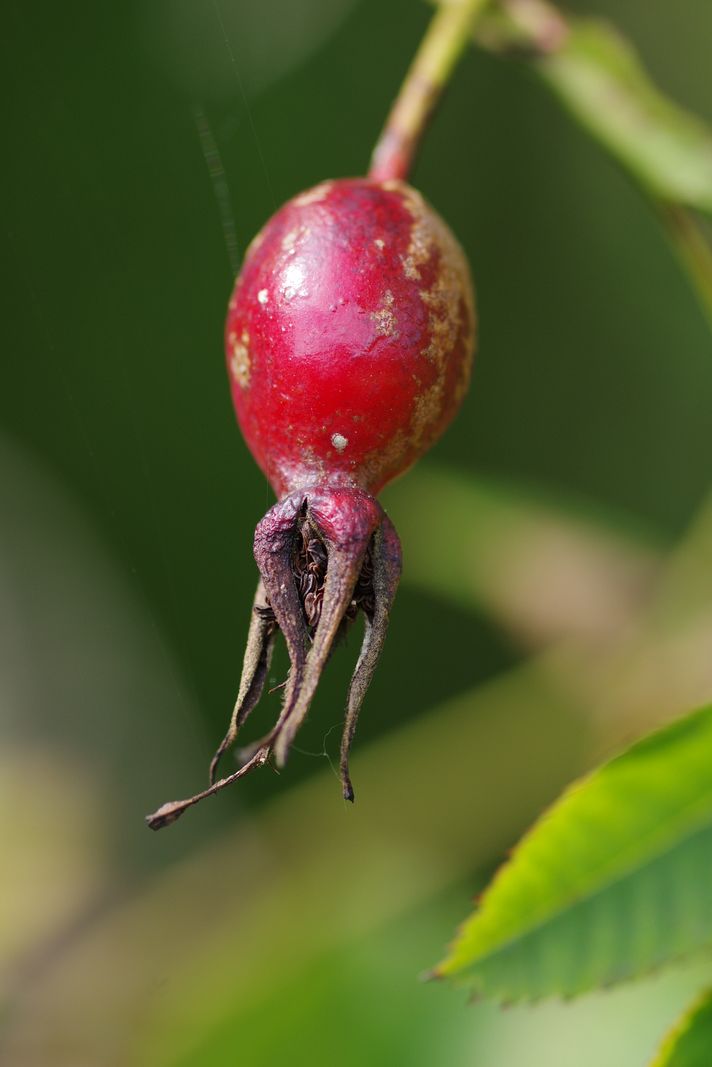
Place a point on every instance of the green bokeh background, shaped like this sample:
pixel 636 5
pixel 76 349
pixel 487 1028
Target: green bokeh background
pixel 127 485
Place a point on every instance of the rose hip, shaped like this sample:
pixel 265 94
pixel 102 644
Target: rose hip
pixel 349 336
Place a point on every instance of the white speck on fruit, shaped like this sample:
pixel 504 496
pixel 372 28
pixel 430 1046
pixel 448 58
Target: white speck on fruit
pixel 339 441
pixel 380 244
pixel 293 284
pixel 263 296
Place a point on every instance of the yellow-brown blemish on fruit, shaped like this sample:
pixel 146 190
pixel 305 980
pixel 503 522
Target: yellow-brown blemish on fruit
pixel 449 300
pixel 313 469
pixel 403 448
pixel 394 185
pixel 425 233
pixel 444 325
pixel 427 412
pixel 427 230
pixel 385 317
pixel 240 362
pixel 450 305
pixel 313 196
pixel 290 239
pixel 410 269
pixel 388 456
pixel 255 243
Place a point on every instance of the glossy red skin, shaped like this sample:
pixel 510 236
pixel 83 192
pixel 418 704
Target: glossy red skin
pixel 349 335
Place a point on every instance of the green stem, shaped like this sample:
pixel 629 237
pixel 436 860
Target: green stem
pixel 600 81
pixel 447 36
pixel 692 249
pixel 544 26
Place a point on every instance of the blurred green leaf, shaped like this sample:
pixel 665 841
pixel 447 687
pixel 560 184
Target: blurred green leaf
pixel 599 78
pixel 689 1043
pixel 543 565
pixel 305 876
pixel 612 881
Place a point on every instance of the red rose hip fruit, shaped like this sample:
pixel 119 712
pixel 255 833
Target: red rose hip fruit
pixel 349 337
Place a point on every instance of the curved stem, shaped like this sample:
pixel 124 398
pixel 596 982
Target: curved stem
pixel 168 813
pixel 587 65
pixel 692 249
pixel 448 34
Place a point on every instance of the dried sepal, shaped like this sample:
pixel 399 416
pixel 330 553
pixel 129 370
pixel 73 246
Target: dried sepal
pixel 255 666
pixel 386 570
pixel 323 555
pixel 168 813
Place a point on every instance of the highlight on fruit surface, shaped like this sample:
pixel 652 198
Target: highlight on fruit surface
pixel 349 343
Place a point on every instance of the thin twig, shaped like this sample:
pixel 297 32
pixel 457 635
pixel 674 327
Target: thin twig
pixel 539 31
pixel 449 33
pixel 692 249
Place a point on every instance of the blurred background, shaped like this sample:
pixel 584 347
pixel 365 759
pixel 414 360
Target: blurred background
pixel 556 596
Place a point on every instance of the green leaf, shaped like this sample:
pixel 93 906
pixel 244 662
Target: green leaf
pixel 689 1043
pixel 597 76
pixel 543 565
pixel 600 79
pixel 612 881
